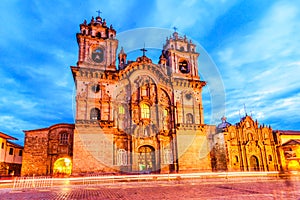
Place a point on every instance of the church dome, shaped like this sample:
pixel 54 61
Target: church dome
pixel 224 123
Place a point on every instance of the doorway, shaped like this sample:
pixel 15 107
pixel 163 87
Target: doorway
pixel 146 159
pixel 254 164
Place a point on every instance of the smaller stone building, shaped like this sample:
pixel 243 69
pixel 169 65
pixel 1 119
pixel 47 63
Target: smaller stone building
pixel 10 156
pixel 48 151
pixel 245 146
pixel 288 149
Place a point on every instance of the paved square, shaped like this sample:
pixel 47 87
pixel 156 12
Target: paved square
pixel 186 189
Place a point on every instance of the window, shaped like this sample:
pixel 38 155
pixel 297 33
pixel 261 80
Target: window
pixel 183 66
pixel 63 138
pixel 11 151
pixel 122 157
pixel 165 119
pixel 20 152
pixel 145 111
pixel 236 159
pixel 98 35
pixel 168 157
pixel 270 158
pixel 121 110
pixel 189 118
pixel 95 114
pixel 2 145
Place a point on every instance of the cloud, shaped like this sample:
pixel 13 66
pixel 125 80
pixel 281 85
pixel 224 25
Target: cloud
pixel 260 66
pixel 194 17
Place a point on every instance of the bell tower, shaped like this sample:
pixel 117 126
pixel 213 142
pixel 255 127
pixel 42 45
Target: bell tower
pixel 97 45
pixel 181 56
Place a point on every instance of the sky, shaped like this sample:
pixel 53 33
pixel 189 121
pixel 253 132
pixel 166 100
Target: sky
pixel 253 45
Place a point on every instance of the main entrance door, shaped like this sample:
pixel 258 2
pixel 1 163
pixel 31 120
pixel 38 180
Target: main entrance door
pixel 146 159
pixel 254 164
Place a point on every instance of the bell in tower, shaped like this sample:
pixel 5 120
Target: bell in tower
pixel 182 56
pixel 122 58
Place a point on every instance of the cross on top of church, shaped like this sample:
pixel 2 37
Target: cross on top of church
pixel 175 28
pixel 99 12
pixel 143 50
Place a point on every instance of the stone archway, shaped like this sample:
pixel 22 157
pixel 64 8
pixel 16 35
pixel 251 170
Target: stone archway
pixel 254 163
pixel 146 158
pixel 62 166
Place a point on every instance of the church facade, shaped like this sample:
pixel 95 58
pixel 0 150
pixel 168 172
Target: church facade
pixel 245 146
pixel 138 116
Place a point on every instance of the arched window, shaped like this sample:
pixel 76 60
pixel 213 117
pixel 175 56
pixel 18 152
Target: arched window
pixel 168 157
pixel 236 159
pixel 95 114
pixel 63 138
pixel 145 111
pixel 122 157
pixel 189 118
pixel 183 66
pixel 98 35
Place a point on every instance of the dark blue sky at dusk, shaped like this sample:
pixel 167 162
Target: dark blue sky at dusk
pixel 254 46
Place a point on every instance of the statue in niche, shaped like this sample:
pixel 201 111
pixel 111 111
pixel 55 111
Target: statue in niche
pixel 153 94
pixel 135 116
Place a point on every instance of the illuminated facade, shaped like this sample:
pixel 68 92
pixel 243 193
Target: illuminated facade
pixel 288 149
pixel 139 116
pixel 48 151
pixel 245 146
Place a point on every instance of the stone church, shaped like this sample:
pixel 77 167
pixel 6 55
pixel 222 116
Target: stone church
pixel 131 116
pixel 245 146
pixel 137 116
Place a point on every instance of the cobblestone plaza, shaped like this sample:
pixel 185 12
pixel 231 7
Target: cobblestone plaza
pixel 217 188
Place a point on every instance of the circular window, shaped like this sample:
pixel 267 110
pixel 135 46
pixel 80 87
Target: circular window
pixel 188 96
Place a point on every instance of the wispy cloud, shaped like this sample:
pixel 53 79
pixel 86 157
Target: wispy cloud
pixel 260 66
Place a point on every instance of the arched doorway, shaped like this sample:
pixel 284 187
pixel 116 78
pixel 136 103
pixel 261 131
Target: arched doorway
pixel 254 164
pixel 62 166
pixel 146 158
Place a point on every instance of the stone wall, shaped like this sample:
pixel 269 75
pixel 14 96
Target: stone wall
pixel 193 149
pixel 35 153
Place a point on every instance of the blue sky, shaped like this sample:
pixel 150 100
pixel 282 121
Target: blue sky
pixel 254 45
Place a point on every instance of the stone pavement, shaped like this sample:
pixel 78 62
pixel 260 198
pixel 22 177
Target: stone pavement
pixel 184 189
